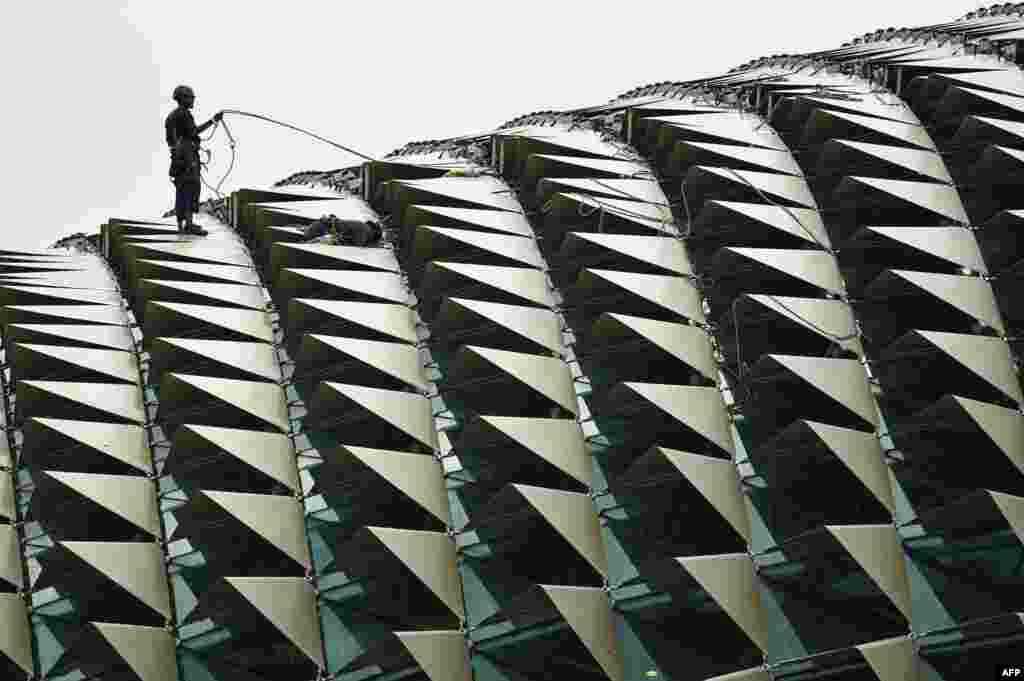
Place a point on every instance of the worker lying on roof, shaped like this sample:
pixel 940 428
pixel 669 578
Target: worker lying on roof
pixel 332 229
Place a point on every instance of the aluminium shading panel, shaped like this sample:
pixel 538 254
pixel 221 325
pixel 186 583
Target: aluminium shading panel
pixel 287 603
pixel 642 190
pixel 715 480
pixel 969 296
pixel 881 558
pixel 491 283
pixel 118 403
pixel 201 251
pixel 1005 81
pixel 857 451
pixel 339 284
pixel 846 157
pixel 467 192
pixel 859 569
pixel 164 318
pixel 271 454
pixel 197 272
pixel 869 105
pixel 699 412
pixel 223 358
pixel 818 269
pixel 86 446
pixel 276 519
pixel 384 553
pixel 931 200
pixel 547 376
pixel 15 636
pixel 720 128
pixel 980 367
pixel 711 182
pixel 329 256
pixel 568 515
pixel 740 223
pixel 190 398
pixel 414 476
pixel 439 655
pixel 94 281
pixel 891 660
pixel 959 100
pixel 652 217
pixel 482 219
pixel 461 245
pixel 497 325
pixel 688 345
pixel 348 359
pixel 199 293
pixel 289 193
pixel 580 166
pixel 830 320
pixel 345 207
pixel 11 294
pixel 374 321
pixel 129 498
pixel 992 434
pixel 836 389
pixel 6 499
pixel 657 295
pixel 659 254
pixel 978 130
pixel 10 558
pixel 269 235
pixel 37 361
pixel 731 582
pixel 137 568
pixel 656 490
pixel 557 140
pixel 957 246
pixel 101 336
pixel 557 442
pixel 408 413
pixel 148 651
pixel 587 612
pixel 823 125
pixel 687 152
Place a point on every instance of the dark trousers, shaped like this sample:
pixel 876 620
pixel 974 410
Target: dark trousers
pixel 186 198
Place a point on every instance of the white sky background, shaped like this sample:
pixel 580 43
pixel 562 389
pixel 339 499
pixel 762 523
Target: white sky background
pixel 86 85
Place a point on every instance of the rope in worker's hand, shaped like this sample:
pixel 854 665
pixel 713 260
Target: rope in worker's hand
pixel 233 143
pixel 236 112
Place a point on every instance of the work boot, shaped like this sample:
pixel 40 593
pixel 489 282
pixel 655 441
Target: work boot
pixel 195 229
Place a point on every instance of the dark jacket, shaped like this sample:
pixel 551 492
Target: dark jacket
pixel 354 232
pixel 183 141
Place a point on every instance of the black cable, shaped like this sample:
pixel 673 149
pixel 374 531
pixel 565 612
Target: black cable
pixel 236 112
pixel 233 144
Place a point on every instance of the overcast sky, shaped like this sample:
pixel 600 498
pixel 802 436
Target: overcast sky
pixel 87 84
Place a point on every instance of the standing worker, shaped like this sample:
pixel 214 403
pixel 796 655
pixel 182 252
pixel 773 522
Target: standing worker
pixel 183 142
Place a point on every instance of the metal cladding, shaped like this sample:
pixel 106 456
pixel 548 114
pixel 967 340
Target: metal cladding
pixel 716 381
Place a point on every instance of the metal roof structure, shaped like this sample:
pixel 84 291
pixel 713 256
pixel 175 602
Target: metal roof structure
pixel 717 381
